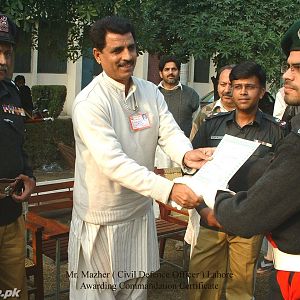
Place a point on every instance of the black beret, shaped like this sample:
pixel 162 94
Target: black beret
pixel 291 40
pixel 7 30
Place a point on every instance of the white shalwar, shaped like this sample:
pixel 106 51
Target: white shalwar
pixel 131 248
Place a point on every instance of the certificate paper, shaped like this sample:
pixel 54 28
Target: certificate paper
pixel 229 156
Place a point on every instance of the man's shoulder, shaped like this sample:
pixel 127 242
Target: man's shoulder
pixel 274 120
pixel 9 84
pixel 143 82
pixel 218 116
pixel 208 108
pixel 188 89
pixel 295 122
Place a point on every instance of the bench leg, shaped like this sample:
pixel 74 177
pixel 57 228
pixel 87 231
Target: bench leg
pixel 57 291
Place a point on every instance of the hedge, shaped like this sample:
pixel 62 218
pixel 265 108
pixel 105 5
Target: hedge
pixel 41 141
pixel 51 97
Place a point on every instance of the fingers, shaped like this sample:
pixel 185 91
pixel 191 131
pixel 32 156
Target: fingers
pixel 29 185
pixel 198 157
pixel 184 196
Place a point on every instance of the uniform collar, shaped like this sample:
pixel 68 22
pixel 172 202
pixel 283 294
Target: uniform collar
pixel 219 105
pixel 257 120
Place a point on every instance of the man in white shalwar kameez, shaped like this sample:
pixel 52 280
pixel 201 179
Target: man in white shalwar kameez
pixel 118 122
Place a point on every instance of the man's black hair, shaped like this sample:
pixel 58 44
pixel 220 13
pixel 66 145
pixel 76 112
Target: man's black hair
pixel 166 59
pixel 248 69
pixel 113 24
pixel 20 78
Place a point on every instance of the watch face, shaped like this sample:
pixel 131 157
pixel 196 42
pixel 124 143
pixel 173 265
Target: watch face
pixel 10 186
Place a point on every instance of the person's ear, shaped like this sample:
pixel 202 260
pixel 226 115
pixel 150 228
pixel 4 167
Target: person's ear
pixel 97 55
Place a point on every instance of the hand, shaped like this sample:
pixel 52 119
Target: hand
pixel 195 159
pixel 208 216
pixel 29 185
pixel 184 196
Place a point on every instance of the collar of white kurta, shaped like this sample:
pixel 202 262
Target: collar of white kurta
pixel 178 86
pixel 119 86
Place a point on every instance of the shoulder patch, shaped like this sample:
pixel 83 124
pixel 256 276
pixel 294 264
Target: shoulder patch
pixel 274 120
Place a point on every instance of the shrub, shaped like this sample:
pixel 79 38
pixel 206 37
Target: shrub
pixel 41 141
pixel 51 97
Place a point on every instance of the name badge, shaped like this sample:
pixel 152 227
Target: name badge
pixel 139 121
pixel 216 137
pixel 264 143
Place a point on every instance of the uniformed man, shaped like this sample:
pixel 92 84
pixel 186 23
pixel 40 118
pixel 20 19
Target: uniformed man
pixel 273 203
pixel 13 166
pixel 223 104
pixel 217 250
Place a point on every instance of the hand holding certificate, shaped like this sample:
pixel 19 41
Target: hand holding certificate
pixel 229 156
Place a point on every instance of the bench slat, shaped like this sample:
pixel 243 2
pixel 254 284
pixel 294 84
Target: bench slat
pixel 51 206
pixel 51 196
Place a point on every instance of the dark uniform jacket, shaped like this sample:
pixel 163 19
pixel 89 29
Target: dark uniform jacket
pixel 13 160
pixel 265 129
pixel 273 203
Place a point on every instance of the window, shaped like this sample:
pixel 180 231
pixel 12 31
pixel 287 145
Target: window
pixel 201 70
pixel 23 53
pixel 52 48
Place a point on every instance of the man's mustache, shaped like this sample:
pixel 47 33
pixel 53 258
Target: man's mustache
pixel 126 63
pixel 229 94
pixel 291 85
pixel 3 68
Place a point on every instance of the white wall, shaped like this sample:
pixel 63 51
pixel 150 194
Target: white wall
pixel 74 71
pixel 141 67
pixel 72 79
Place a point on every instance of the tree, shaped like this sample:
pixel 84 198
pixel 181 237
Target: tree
pixel 230 31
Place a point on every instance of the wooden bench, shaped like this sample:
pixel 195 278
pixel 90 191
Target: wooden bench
pixel 169 226
pixel 174 222
pixel 51 196
pixel 48 200
pixel 34 260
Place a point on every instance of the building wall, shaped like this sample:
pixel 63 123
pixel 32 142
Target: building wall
pixel 73 78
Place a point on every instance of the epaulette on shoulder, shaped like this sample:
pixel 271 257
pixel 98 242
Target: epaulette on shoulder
pixel 217 115
pixel 274 120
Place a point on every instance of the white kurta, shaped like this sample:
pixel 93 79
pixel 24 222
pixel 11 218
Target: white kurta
pixel 113 231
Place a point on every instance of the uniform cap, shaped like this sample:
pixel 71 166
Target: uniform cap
pixel 7 30
pixel 291 39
